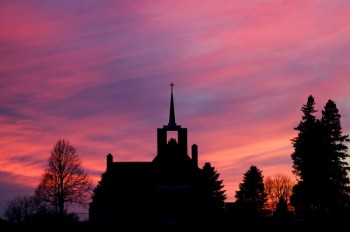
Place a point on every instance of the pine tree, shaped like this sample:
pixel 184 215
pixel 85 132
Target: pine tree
pixel 212 195
pixel 251 198
pixel 303 142
pixel 319 162
pixel 214 187
pixel 306 152
pixel 335 167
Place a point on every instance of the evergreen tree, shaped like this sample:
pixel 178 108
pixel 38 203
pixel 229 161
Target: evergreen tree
pixel 335 168
pixel 104 194
pixel 251 198
pixel 306 152
pixel 211 195
pixel 303 142
pixel 319 163
pixel 214 188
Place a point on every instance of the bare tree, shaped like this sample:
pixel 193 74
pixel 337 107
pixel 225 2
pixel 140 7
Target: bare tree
pixel 21 207
pixel 64 182
pixel 278 188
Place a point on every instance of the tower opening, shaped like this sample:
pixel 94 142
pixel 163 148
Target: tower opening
pixel 172 134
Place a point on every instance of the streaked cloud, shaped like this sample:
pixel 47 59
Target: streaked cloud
pixel 97 73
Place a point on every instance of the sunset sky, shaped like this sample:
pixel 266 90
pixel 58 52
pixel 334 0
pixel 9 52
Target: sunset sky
pixel 98 72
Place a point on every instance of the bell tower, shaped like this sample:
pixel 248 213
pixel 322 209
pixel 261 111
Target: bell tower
pixel 162 133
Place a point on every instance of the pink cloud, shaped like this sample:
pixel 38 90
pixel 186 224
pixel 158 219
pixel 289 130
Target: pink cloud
pixel 98 75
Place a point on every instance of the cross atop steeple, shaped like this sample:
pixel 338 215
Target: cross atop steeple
pixel 172 124
pixel 171 86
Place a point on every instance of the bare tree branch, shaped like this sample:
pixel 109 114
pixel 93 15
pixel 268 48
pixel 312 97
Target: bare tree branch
pixel 64 181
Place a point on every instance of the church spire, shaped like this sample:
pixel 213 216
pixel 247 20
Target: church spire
pixel 172 109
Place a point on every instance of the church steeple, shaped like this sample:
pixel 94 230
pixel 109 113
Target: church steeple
pixel 172 109
pixel 162 133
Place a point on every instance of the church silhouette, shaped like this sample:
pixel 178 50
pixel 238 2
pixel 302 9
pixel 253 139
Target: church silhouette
pixel 165 191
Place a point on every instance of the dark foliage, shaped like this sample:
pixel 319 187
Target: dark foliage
pixel 251 197
pixel 210 196
pixel 319 162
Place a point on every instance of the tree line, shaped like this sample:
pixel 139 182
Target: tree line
pixel 321 192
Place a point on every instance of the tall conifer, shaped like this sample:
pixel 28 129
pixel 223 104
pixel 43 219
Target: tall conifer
pixel 319 163
pixel 251 197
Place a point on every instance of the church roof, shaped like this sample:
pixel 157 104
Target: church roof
pixel 131 166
